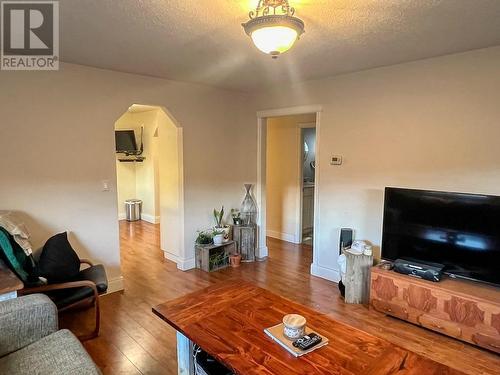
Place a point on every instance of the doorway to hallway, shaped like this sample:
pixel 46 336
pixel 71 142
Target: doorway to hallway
pixel 290 177
pixel 150 168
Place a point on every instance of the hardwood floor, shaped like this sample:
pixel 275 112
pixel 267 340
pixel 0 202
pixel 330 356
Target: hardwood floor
pixel 134 341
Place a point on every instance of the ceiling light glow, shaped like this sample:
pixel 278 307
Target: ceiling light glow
pixel 273 27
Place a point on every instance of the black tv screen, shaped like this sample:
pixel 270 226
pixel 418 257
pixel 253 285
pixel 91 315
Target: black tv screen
pixel 125 141
pixel 461 231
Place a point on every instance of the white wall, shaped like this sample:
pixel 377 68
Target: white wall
pixel 282 176
pixel 57 140
pixel 432 124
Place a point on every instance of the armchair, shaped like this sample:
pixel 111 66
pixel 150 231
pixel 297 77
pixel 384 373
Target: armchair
pixel 84 291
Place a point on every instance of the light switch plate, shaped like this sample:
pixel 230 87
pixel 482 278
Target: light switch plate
pixel 336 160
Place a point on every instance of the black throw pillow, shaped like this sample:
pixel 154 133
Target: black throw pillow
pixel 58 261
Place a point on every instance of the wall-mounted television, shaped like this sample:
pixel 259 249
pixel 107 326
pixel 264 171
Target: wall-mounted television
pixel 461 231
pixel 125 141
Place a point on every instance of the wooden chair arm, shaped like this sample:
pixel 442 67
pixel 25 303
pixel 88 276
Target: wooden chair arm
pixel 60 286
pixel 86 261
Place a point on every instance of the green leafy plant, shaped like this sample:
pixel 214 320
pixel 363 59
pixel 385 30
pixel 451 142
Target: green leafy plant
pixel 216 232
pixel 236 214
pixel 205 238
pixel 217 260
pixel 218 215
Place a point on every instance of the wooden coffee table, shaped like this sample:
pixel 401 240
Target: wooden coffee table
pixel 228 319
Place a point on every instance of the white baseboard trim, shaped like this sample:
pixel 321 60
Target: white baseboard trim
pixel 262 252
pixel 281 236
pixel 122 216
pixel 150 218
pixel 325 273
pixel 187 264
pixel 182 264
pixel 115 285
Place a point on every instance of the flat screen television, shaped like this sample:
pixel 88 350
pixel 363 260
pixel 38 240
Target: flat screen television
pixel 125 141
pixel 461 231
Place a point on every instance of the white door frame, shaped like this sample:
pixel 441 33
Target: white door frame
pixel 262 251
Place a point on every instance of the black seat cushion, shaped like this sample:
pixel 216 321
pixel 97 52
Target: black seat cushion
pixel 96 274
pixel 66 297
pixel 58 261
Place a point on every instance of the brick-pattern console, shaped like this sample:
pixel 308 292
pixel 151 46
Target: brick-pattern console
pixel 465 310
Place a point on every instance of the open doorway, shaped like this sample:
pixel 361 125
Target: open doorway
pixel 149 168
pixel 263 118
pixel 137 161
pixel 307 180
pixel 290 178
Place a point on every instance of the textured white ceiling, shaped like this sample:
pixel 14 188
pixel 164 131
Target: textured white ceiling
pixel 203 41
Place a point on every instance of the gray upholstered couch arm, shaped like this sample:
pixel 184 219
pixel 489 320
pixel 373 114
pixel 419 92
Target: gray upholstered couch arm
pixel 25 320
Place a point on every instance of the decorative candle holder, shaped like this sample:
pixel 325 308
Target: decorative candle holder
pixel 294 326
pixel 248 207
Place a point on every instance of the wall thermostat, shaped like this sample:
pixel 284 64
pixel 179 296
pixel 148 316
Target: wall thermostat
pixel 336 160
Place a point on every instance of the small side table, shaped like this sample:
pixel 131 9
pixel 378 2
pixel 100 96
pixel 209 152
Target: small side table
pixel 357 279
pixel 245 238
pixel 9 283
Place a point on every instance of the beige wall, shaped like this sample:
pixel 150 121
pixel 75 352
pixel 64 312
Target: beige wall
pixel 282 176
pixel 427 124
pixel 432 124
pixel 56 135
pixel 125 185
pixel 171 184
pixel 145 172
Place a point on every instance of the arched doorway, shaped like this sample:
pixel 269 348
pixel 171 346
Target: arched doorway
pixel 153 172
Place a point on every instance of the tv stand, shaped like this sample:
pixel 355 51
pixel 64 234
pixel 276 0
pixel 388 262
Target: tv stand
pixel 466 310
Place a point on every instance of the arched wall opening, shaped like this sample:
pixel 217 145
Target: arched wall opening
pixel 156 176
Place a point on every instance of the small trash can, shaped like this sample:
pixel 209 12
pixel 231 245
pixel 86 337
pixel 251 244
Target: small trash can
pixel 133 208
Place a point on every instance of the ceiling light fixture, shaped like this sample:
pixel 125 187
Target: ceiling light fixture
pixel 273 27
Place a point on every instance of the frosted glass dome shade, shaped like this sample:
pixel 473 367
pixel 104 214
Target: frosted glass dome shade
pixel 274 40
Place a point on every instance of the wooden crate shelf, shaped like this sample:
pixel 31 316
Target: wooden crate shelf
pixel 211 258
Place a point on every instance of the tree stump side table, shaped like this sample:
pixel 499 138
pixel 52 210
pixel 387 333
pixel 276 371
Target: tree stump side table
pixel 357 278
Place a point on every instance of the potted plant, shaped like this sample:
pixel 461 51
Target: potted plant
pixel 218 216
pixel 204 238
pixel 218 236
pixel 236 214
pixel 235 259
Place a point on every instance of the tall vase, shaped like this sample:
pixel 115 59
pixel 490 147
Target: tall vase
pixel 248 207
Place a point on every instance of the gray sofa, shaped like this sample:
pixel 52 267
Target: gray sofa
pixel 30 342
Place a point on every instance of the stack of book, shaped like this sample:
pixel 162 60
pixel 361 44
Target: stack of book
pixel 276 333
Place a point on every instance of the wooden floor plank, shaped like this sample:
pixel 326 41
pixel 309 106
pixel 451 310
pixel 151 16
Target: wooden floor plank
pixel 132 337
